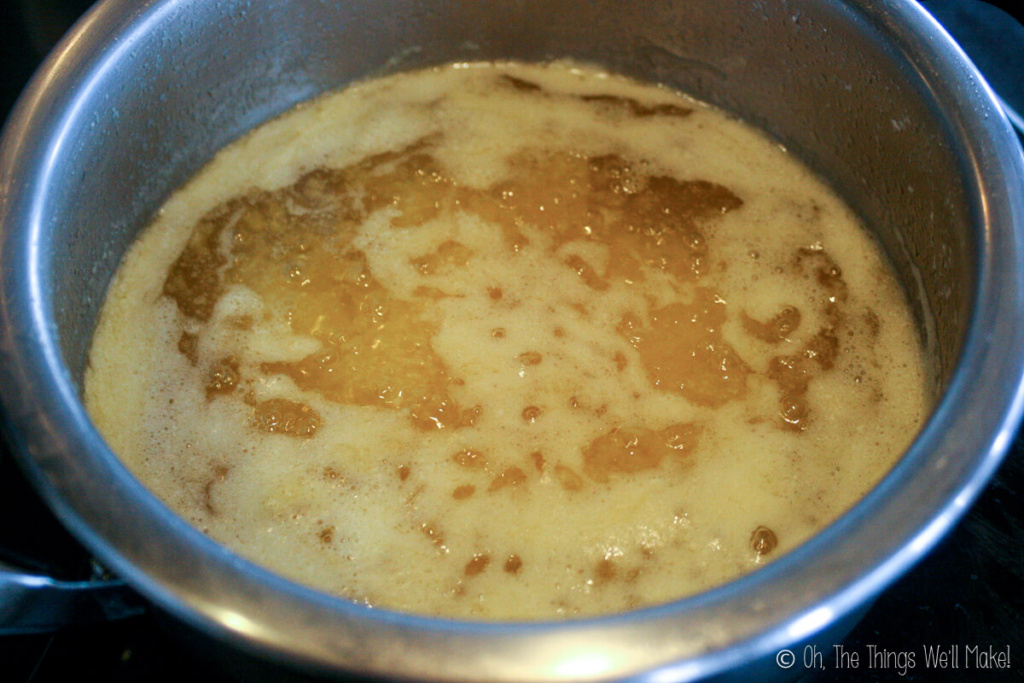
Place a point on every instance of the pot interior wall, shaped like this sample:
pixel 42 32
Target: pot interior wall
pixel 816 75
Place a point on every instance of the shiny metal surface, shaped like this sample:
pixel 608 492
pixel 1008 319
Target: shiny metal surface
pixel 872 94
pixel 33 602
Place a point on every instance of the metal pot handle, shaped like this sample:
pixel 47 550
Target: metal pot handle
pixel 32 603
pixel 31 599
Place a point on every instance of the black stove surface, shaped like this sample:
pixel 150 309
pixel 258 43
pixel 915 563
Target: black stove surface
pixel 966 597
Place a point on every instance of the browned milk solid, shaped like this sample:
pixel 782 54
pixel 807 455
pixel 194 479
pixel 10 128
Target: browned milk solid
pixel 507 342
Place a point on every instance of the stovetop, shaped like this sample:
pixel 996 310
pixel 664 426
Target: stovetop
pixel 966 597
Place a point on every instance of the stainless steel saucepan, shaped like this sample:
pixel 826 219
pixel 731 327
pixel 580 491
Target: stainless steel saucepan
pixel 871 93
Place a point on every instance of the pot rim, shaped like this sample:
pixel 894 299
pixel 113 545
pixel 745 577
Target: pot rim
pixel 756 615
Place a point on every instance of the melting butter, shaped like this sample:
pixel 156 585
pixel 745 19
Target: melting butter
pixel 507 342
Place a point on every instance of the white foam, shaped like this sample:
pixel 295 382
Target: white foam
pixel 672 531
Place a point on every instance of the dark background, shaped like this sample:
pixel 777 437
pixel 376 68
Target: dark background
pixel 968 591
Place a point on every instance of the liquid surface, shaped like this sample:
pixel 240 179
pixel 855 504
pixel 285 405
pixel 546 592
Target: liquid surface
pixel 506 342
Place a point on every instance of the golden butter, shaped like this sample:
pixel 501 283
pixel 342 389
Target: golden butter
pixel 506 342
